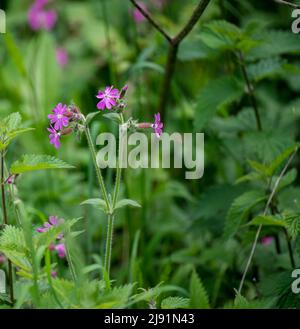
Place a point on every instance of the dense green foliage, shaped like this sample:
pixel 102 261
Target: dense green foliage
pixel 177 243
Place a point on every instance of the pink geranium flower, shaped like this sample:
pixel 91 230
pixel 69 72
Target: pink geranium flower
pixel 108 98
pixel 54 137
pixel 267 240
pixel 40 18
pixel 157 125
pixel 61 250
pixel 58 116
pixel 62 57
pixel 137 15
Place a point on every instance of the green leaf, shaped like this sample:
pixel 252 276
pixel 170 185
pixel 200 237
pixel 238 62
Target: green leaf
pixel 113 117
pixel 198 294
pixel 127 202
pixel 293 225
pixel 240 209
pixel 37 162
pixel 98 203
pixel 274 43
pixel 265 68
pixel 221 35
pixel 216 95
pixel 269 221
pixel 175 303
pixel 91 116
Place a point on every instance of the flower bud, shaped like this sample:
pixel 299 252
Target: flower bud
pixel 123 91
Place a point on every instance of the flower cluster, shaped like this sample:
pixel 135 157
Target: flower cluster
pixel 40 18
pixel 52 222
pixel 63 117
pixel 60 120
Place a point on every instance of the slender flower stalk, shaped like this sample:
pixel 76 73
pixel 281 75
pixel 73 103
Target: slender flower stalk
pixel 97 169
pixel 5 220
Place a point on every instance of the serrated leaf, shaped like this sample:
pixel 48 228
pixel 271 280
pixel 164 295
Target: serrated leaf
pixel 268 221
pixel 37 162
pixel 216 95
pixel 175 303
pixel 240 209
pixel 198 294
pixel 265 68
pixel 127 202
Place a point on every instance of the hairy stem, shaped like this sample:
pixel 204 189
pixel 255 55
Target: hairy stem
pixel 5 221
pixel 108 247
pixel 97 169
pixel 264 213
pixel 250 90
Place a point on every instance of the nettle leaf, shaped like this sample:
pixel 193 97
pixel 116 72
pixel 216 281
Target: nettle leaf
pixel 13 246
pixel 34 162
pixel 265 68
pixel 175 302
pixel 198 294
pixel 240 209
pixel 221 35
pixel 216 95
pixel 98 203
pixel 274 43
pixel 127 202
pixel 269 221
pixel 293 225
pixel 10 128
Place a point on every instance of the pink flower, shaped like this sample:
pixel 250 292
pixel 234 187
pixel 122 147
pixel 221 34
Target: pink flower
pixel 62 57
pixel 157 125
pixel 108 98
pixel 137 15
pixel 61 250
pixel 39 18
pixel 52 222
pixel 54 274
pixel 267 240
pixel 2 259
pixel 54 137
pixel 58 117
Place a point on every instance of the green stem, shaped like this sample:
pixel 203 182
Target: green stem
pixel 110 224
pixel 98 171
pixel 108 247
pixel 5 221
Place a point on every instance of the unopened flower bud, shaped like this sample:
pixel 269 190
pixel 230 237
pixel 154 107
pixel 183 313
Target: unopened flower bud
pixel 11 179
pixel 66 131
pixel 123 91
pixel 144 125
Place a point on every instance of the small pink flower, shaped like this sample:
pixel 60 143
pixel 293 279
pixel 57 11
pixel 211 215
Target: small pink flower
pixel 58 117
pixel 54 137
pixel 137 15
pixel 157 125
pixel 52 222
pixel 2 259
pixel 62 57
pixel 61 250
pixel 108 98
pixel 267 240
pixel 39 18
pixel 54 274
